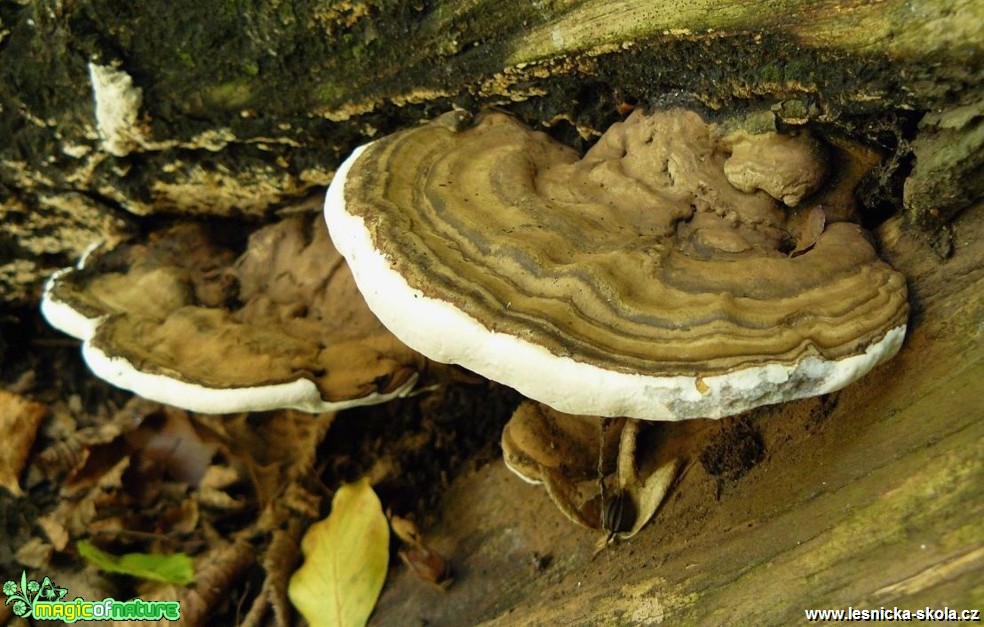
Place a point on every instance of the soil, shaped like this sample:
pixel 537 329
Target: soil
pixel 868 497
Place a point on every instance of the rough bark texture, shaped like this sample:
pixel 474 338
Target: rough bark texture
pixel 231 107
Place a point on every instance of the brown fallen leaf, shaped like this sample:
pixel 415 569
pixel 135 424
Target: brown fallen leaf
pixel 79 508
pixel 424 561
pixel 646 491
pixel 590 467
pixel 807 226
pixel 276 449
pixel 19 420
pixel 77 457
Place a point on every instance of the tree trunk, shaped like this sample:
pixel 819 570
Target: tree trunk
pixel 111 109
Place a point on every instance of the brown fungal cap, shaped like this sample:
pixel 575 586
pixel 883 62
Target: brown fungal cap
pixel 635 281
pixel 177 319
pixel 538 439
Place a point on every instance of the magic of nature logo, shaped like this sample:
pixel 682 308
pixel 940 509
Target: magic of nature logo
pixel 45 601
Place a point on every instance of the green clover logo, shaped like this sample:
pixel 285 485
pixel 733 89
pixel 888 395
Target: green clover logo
pixel 18 595
pixel 25 595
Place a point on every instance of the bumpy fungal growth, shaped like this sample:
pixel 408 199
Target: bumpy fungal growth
pixel 177 319
pixel 787 167
pixel 636 281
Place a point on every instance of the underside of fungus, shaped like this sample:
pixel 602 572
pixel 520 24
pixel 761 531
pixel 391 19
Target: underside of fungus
pixel 671 273
pixel 179 320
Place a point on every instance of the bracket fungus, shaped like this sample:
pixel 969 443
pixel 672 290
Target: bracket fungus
pixel 589 467
pixel 179 320
pixel 636 281
pixel 676 271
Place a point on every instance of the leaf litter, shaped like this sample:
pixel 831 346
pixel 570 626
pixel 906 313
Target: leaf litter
pixel 234 493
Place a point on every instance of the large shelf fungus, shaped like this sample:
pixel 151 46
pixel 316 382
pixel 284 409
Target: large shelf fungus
pixel 179 320
pixel 636 281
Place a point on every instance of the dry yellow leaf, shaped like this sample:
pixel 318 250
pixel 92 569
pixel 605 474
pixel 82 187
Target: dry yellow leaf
pixel 345 560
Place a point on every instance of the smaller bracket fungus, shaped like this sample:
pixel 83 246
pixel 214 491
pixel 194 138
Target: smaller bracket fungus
pixel 662 276
pixel 539 441
pixel 588 466
pixel 179 320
